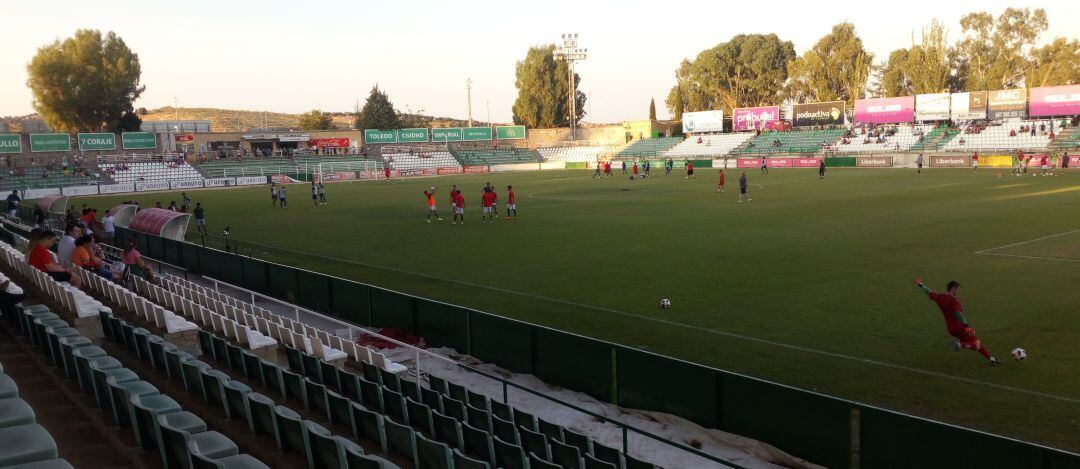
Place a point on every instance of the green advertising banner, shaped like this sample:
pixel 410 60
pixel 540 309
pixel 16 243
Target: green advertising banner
pixel 10 143
pixel 412 136
pixel 445 135
pixel 97 141
pixel 380 136
pixel 510 132
pixel 139 140
pixel 475 134
pixel 50 142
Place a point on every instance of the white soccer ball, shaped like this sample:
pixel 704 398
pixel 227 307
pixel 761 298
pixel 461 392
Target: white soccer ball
pixel 432 188
pixel 665 303
pixel 1019 354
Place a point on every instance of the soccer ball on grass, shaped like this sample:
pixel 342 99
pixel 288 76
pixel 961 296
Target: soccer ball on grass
pixel 1019 354
pixel 665 303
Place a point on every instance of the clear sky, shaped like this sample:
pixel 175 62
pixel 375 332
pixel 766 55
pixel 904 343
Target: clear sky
pixel 295 56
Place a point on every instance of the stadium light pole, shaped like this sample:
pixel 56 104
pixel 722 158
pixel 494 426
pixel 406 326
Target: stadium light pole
pixel 468 97
pixel 571 54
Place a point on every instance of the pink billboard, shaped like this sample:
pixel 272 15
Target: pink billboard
pixel 805 162
pixel 753 118
pixel 885 110
pixel 748 162
pixel 1055 101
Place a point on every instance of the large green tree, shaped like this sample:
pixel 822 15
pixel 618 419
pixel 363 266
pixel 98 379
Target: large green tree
pixel 316 120
pixel 994 53
pixel 928 66
pixel 543 88
pixel 378 112
pixel 836 68
pixel 1057 63
pixel 748 70
pixel 652 109
pixel 86 83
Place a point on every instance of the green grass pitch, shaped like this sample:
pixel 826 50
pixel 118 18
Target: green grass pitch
pixel 810 284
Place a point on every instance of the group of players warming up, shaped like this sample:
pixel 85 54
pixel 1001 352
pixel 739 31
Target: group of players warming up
pixel 489 200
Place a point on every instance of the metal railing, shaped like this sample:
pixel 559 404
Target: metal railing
pixel 354 332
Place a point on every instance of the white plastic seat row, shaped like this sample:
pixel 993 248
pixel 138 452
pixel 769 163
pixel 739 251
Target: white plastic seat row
pixel 225 324
pixel 69 297
pixel 295 334
pixel 159 316
pixel 711 144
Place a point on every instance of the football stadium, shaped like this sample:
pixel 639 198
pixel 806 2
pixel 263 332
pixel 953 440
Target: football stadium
pixel 758 280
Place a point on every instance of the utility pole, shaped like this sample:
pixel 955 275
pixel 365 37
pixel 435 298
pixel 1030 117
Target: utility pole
pixel 175 110
pixel 468 95
pixel 571 54
pixel 488 111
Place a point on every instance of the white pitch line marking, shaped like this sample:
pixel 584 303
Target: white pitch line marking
pixel 705 329
pixel 1021 243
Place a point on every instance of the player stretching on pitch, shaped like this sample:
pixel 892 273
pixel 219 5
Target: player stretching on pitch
pixel 432 208
pixel 963 335
pixel 511 203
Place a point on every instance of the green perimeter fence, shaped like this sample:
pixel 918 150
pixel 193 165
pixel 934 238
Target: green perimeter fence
pixel 825 430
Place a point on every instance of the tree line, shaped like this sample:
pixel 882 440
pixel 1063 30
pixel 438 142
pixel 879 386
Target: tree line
pixel 762 69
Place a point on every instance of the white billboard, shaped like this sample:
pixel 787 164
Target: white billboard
pixel 969 106
pixel 703 121
pixel 932 107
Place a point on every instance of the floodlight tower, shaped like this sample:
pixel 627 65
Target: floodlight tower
pixel 571 54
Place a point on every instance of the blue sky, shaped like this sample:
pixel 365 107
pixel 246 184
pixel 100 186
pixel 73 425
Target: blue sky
pixel 293 56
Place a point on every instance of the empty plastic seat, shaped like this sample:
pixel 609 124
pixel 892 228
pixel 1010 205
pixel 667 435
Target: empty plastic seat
pixel 447 429
pixel 536 443
pixel 454 408
pixel 419 417
pixel 145 411
pixel 236 399
pixel 316 397
pixel 120 394
pixel 565 455
pixel 350 384
pixel 432 454
pixel 577 440
pixel 177 453
pixel 237 461
pixel 340 408
pixel 261 417
pixel 537 462
pixel 8 388
pixel 25 444
pixel 477 443
pixel 505 430
pixel 294 386
pixel 432 399
pixel 101 382
pixel 369 424
pixel 192 373
pixel 356 459
pixel 322 449
pixel 15 412
pixel 523 419
pixel 272 377
pixel 461 461
pixel 509 455
pixel 478 418
pixel 632 463
pixel 58 463
pixel 593 463
pixel 402 440
pixel 291 428
pixel 607 454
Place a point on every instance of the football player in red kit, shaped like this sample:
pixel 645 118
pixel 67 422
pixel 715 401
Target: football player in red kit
pixel 955 323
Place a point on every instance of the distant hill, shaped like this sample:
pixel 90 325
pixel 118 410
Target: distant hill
pixel 229 120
